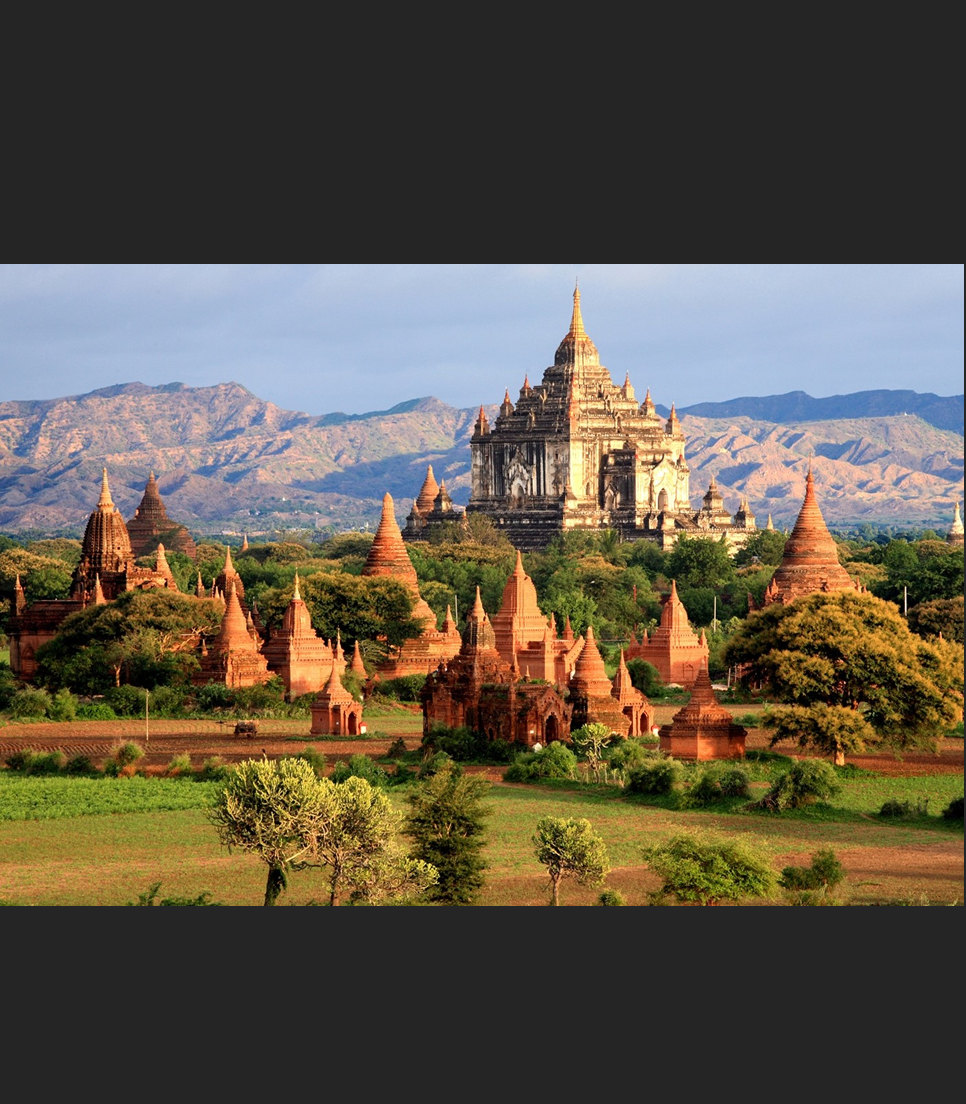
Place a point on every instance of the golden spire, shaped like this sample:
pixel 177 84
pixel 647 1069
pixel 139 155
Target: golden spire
pixel 105 502
pixel 297 596
pixel 577 330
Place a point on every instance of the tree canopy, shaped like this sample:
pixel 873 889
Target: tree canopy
pixel 851 673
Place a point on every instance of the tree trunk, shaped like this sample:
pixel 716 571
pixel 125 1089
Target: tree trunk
pixel 275 886
pixel 555 899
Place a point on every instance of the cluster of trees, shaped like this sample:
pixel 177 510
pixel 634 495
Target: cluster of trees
pixel 348 831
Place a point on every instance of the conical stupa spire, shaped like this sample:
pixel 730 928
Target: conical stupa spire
pixel 105 502
pixel 297 596
pixel 577 329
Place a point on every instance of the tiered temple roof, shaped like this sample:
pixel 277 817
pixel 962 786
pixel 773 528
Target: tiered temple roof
pixel 673 648
pixel 336 712
pixel 810 564
pixel 703 730
pixel 234 657
pixel 480 690
pixel 296 653
pixel 151 526
pixel 388 558
pixel 592 692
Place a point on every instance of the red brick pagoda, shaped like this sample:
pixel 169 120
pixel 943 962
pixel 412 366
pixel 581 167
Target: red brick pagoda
pixel 810 564
pixel 234 658
pixel 673 648
pixel 151 526
pixel 704 729
pixel 296 653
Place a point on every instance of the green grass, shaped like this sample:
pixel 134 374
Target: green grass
pixel 24 798
pixel 105 842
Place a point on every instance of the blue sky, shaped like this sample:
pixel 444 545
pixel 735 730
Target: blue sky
pixel 359 337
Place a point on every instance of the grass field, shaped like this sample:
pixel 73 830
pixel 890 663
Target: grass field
pixel 104 842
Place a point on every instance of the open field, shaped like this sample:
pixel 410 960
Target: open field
pixel 156 830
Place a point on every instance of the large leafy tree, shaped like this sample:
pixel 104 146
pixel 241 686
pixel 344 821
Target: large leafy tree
pixel 851 674
pixel 276 811
pixel 146 637
pixel 447 824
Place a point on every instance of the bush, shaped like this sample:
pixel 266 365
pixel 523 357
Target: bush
pixel 554 762
pixel 707 871
pixel 127 755
pixel 657 778
pixel 315 759
pixel 825 873
pixel 631 753
pixel 96 712
pixel 167 701
pixel 180 767
pixel 214 770
pixel 646 678
pixel 611 897
pixel 80 765
pixel 63 707
pixel 213 697
pixel 460 744
pixel 31 705
pixel 361 766
pixel 954 811
pixel 904 810
pixel 20 760
pixel 49 762
pixel 406 689
pixel 126 701
pixel 397 749
pixel 808 781
pixel 150 900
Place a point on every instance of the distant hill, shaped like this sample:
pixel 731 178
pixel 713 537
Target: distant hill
pixel 229 462
pixel 798 407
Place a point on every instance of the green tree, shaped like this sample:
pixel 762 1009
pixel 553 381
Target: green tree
pixel 447 824
pixel 570 849
pixel 852 673
pixel 697 563
pixel 358 849
pixel 592 742
pixel 276 811
pixel 707 871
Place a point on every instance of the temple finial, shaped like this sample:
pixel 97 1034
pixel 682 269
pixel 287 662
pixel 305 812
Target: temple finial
pixel 577 324
pixel 105 502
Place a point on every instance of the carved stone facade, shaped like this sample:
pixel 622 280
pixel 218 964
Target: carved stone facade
pixel 579 452
pixel 479 690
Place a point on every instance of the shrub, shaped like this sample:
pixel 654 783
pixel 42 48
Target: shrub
pixel 406 689
pixel 150 900
pixel 63 707
pixel 20 760
pixel 31 705
pixel 433 764
pixel 702 871
pixel 825 873
pixel 315 759
pixel 361 766
pixel 631 753
pixel 646 678
pixel 79 765
pixel 611 897
pixel 954 811
pixel 808 781
pixel 127 754
pixel 49 762
pixel 904 810
pixel 180 767
pixel 213 770
pixel 461 744
pixel 96 712
pixel 656 778
pixel 167 701
pixel 554 762
pixel 397 749
pixel 214 696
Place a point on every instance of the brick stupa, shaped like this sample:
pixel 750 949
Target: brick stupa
pixel 592 692
pixel 673 648
pixel 525 637
pixel 336 712
pixel 704 729
pixel 296 653
pixel 233 658
pixel 478 689
pixel 151 526
pixel 388 558
pixel 634 705
pixel 810 564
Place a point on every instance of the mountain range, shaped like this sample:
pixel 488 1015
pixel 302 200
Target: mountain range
pixel 229 462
